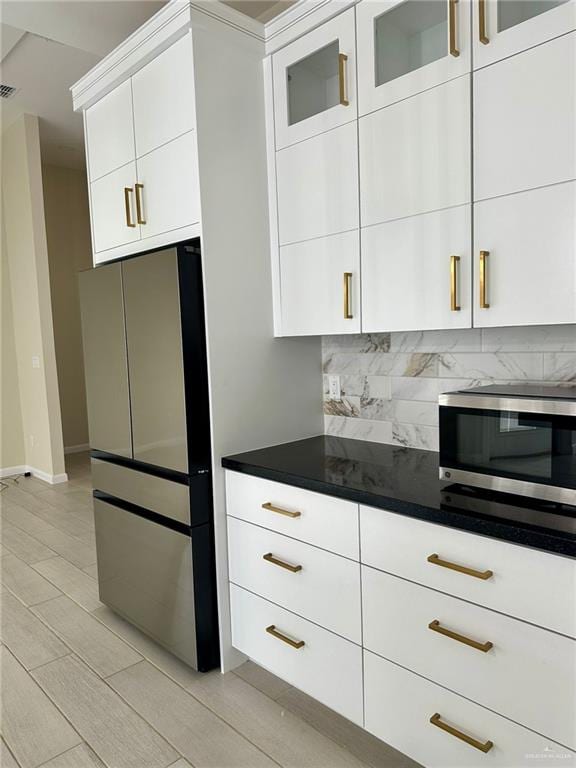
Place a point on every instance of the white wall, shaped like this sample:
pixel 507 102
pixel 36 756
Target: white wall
pixel 26 255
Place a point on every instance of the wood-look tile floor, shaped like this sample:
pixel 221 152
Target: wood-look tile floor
pixel 82 688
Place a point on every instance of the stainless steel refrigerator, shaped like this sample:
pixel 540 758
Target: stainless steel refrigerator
pixel 148 412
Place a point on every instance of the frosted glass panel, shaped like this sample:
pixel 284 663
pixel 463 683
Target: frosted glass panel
pixel 410 36
pixel 313 85
pixel 513 12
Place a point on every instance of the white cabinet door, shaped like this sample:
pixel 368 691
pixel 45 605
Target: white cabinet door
pixel 315 81
pixel 113 209
pixel 415 155
pixel 164 105
pixel 110 132
pixel 320 286
pixel 416 272
pixel 169 195
pixel 529 246
pixel 317 184
pixel 502 28
pixel 525 120
pixel 408 46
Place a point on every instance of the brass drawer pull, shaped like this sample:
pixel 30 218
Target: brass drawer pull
pixel 482 36
pixel 454 306
pixel 292 643
pixel 436 560
pixel 342 59
pixel 436 627
pixel 286 512
pixel 275 561
pixel 127 192
pixel 453 44
pixel 483 280
pixel 348 296
pixel 139 217
pixel 483 747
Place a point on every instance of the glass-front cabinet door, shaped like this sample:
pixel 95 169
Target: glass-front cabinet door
pixel 315 82
pixel 502 28
pixel 408 46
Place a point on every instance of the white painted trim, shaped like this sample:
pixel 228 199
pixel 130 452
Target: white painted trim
pixel 39 473
pixel 76 448
pixel 299 19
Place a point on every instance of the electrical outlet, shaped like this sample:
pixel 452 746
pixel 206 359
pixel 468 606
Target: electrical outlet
pixel 334 391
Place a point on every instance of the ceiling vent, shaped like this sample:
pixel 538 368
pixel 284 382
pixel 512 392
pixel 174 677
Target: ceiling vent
pixel 7 91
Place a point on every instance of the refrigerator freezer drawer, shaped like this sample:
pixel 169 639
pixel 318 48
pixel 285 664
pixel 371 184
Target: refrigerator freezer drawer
pixel 145 573
pixel 157 494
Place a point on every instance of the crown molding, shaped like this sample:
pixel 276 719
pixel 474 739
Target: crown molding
pixel 300 18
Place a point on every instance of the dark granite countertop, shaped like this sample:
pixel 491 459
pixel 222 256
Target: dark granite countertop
pixel 405 481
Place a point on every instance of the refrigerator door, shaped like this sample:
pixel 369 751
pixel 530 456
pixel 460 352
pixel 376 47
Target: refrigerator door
pixel 155 359
pixel 145 573
pixel 105 362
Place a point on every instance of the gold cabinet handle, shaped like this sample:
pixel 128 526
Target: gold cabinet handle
pixel 482 36
pixel 275 561
pixel 273 508
pixel 342 59
pixel 454 50
pixel 436 560
pixel 454 306
pixel 127 192
pixel 483 747
pixel 435 626
pixel 483 280
pixel 293 643
pixel 139 217
pixel 348 296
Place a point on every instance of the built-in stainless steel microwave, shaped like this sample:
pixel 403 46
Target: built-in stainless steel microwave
pixel 513 439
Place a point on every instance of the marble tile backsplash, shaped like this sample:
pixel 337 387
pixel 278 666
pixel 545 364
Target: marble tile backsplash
pixel 390 382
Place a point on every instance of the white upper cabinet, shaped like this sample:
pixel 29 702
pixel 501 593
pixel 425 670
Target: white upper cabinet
pixel 416 273
pixel 110 132
pixel 315 81
pixel 525 251
pixel 502 28
pixel 408 46
pixel 163 92
pixel 318 186
pixel 113 211
pixel 525 120
pixel 415 155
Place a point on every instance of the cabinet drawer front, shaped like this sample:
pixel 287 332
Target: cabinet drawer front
pixel 308 77
pixel 406 272
pixel 324 521
pixel 154 493
pixel 110 132
pixel 514 151
pixel 538 666
pixel 325 589
pixel 326 667
pixel 415 155
pixel 399 706
pixel 521 581
pixel 169 78
pixel 317 182
pixel 312 276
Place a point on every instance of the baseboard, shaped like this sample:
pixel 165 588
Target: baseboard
pixel 76 448
pixel 39 473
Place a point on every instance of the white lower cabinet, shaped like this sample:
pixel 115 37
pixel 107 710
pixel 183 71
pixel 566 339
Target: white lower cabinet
pixel 528 244
pixel 170 194
pixel 416 272
pixel 321 285
pixel 113 207
pixel 317 183
pixel 313 659
pixel 401 705
pixel 478 653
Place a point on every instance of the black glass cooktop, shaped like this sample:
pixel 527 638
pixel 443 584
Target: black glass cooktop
pixel 405 481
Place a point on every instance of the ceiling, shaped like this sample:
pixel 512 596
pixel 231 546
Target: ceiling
pixel 47 45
